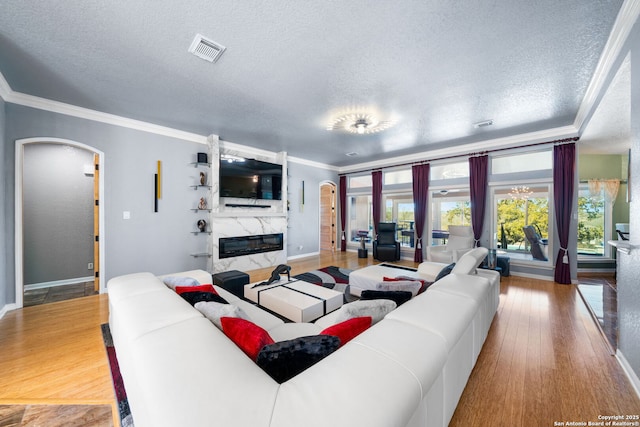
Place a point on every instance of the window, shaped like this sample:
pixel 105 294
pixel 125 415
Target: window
pixel 449 207
pixel 361 181
pixel 403 176
pixel 360 217
pixel 522 221
pixel 398 208
pixel 450 171
pixel 591 222
pixel 533 161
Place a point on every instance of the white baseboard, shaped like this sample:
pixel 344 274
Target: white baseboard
pixel 596 270
pixel 531 276
pixel 628 370
pixel 7 308
pixel 303 255
pixel 65 282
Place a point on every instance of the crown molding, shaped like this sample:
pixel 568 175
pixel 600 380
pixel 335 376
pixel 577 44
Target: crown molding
pixel 626 19
pixel 5 89
pixel 464 150
pixel 84 113
pixel 623 25
pixel 245 149
pixel 313 164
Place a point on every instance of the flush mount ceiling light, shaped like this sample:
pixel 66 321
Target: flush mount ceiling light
pixel 360 122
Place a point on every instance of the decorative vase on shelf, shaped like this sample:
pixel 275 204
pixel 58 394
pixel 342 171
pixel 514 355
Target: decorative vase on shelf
pixel 203 178
pixel 202 225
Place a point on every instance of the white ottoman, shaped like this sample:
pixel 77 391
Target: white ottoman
pixel 367 278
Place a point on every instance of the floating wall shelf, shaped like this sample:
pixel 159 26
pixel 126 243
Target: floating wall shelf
pixel 202 255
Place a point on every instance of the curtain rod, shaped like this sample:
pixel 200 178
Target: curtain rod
pixel 472 154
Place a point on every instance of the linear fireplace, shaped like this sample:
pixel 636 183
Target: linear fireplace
pixel 249 245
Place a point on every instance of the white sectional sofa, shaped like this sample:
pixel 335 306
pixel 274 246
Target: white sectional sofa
pixel 409 369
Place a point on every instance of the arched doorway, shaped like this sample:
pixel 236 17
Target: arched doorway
pixel 328 217
pixel 39 246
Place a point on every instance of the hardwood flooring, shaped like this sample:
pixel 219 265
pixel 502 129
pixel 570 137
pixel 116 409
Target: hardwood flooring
pixel 544 360
pixel 53 354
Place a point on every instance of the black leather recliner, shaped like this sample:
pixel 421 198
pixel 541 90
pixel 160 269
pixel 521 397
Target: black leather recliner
pixel 385 246
pixel 537 243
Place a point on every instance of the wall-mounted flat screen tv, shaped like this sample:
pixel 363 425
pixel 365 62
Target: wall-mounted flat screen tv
pixel 250 178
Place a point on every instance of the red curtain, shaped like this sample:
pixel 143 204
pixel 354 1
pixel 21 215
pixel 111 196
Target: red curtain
pixel 420 175
pixel 343 213
pixel 376 198
pixel 478 167
pixel 563 181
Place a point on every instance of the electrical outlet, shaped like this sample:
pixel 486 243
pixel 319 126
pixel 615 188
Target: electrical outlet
pixel 90 266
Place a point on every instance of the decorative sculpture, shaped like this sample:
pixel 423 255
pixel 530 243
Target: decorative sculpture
pixel 275 275
pixel 203 203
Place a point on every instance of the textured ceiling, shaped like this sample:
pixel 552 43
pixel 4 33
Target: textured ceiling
pixel 439 66
pixel 609 130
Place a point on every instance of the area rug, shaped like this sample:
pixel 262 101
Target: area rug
pixel 126 420
pixel 331 277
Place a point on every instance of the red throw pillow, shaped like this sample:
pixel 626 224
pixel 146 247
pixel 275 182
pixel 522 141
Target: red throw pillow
pixel 348 329
pixel 247 335
pixel 424 283
pixel 200 288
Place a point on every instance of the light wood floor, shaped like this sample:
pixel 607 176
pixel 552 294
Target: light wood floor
pixel 544 359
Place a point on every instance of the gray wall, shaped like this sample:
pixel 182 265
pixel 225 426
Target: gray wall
pixel 156 242
pixel 57 213
pixel 4 211
pixel 629 265
pixel 304 222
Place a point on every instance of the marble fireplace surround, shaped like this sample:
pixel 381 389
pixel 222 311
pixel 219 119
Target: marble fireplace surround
pixel 234 217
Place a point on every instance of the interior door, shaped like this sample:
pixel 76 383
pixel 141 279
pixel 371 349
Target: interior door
pixel 96 222
pixel 328 217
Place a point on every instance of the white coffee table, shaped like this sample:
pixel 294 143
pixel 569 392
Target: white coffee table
pixel 295 300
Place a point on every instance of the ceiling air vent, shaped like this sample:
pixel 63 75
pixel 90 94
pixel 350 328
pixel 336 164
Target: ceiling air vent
pixel 206 49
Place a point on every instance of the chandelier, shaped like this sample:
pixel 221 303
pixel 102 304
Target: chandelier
pixel 360 122
pixel 521 192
